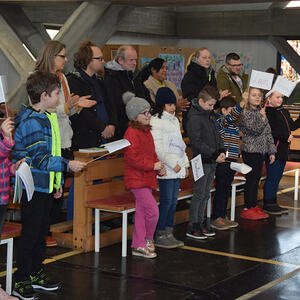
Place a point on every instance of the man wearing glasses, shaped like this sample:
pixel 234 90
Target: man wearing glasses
pixel 231 78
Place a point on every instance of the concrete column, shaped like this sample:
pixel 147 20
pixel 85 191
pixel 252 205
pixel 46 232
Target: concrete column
pixel 287 51
pixel 13 49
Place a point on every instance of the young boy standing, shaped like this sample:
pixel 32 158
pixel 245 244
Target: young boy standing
pixel 205 139
pixel 37 138
pixel 230 112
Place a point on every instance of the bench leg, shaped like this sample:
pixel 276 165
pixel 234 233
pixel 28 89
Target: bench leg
pixel 124 234
pixel 9 263
pixel 97 229
pixel 232 208
pixel 296 185
pixel 208 208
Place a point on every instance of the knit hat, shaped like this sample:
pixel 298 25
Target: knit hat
pixel 134 105
pixel 165 95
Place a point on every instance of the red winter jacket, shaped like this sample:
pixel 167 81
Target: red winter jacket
pixel 139 158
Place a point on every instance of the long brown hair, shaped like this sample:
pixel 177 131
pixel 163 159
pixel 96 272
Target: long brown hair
pixel 45 61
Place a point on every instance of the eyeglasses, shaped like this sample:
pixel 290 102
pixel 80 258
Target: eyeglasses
pixel 101 58
pixel 62 56
pixel 239 65
pixel 145 113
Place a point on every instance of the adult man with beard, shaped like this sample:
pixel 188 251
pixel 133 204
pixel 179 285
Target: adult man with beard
pixel 230 77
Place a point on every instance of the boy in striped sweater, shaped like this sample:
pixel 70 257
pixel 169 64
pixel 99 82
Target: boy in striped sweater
pixel 37 138
pixel 230 112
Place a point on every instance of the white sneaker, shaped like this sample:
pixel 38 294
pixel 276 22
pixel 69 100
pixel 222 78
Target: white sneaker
pixel 5 296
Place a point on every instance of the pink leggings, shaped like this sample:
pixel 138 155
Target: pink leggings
pixel 146 217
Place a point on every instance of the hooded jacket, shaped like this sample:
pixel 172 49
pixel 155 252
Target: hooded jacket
pixel 281 125
pixel 86 125
pixel 140 158
pixel 202 129
pixel 33 140
pixel 118 81
pixel 162 130
pixel 226 82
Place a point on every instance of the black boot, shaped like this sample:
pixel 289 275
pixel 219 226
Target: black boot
pixel 272 208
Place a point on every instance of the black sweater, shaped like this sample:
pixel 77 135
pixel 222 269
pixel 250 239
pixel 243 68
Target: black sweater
pixel 281 125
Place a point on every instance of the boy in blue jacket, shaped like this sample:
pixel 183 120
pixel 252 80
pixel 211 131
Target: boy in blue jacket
pixel 37 138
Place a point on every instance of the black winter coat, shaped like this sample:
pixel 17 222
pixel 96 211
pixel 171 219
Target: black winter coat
pixel 281 125
pixel 86 125
pixel 202 129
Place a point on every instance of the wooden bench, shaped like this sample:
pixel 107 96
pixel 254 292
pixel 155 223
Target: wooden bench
pixel 9 232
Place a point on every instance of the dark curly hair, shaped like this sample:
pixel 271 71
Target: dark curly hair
pixel 84 55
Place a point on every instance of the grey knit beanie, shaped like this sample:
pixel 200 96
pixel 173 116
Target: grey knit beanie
pixel 134 105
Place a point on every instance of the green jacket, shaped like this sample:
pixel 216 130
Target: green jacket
pixel 226 82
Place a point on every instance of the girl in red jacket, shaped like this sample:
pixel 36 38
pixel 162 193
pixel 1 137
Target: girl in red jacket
pixel 141 168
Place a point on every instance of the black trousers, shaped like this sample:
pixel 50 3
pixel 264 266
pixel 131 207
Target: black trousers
pixel 224 178
pixel 3 209
pixel 254 160
pixel 35 225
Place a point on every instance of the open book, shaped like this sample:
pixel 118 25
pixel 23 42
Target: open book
pixel 23 178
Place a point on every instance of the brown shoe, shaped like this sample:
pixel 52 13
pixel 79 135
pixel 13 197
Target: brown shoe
pixel 143 252
pixel 230 223
pixel 150 245
pixel 219 224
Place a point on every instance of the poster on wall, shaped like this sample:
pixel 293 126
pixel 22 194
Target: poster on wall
pixel 175 63
pixel 145 61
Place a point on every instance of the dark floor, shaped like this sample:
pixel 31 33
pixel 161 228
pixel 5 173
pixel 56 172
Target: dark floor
pixel 266 268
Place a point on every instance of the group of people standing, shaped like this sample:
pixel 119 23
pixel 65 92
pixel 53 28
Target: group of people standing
pixel 82 110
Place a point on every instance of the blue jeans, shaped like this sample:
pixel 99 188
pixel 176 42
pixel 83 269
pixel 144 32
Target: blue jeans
pixel 274 175
pixel 169 189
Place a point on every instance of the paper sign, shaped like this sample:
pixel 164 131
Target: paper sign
pixel 261 80
pixel 240 168
pixel 284 86
pixel 23 175
pixel 176 145
pixel 3 90
pixel 197 167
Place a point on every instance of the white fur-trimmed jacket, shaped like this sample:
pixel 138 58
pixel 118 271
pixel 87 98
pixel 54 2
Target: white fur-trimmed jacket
pixel 162 129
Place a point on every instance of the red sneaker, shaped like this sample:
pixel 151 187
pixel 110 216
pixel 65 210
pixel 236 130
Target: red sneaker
pixel 261 212
pixel 50 242
pixel 251 214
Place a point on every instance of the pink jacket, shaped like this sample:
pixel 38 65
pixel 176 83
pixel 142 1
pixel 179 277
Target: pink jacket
pixel 7 168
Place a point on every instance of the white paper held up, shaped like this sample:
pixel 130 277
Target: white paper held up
pixel 283 86
pixel 197 167
pixel 261 80
pixel 23 175
pixel 176 145
pixel 240 167
pixel 3 90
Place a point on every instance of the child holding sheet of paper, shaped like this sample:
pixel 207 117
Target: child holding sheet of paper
pixel 257 143
pixel 7 169
pixel 141 168
pixel 170 149
pixel 281 125
pixel 205 139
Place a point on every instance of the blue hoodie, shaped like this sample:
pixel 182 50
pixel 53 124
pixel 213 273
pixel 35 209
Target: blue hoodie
pixel 33 140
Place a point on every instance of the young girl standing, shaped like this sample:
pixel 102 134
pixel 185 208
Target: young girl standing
pixel 257 143
pixel 166 130
pixel 141 168
pixel 281 125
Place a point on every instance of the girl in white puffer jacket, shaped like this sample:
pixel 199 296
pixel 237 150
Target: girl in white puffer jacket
pixel 170 149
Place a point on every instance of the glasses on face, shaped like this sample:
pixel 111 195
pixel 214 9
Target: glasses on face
pixel 62 56
pixel 145 113
pixel 235 66
pixel 101 58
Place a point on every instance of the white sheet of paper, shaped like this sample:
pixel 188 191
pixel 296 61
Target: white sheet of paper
pixel 116 145
pixel 197 167
pixel 24 173
pixel 3 90
pixel 240 167
pixel 284 86
pixel 18 189
pixel 261 80
pixel 176 145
